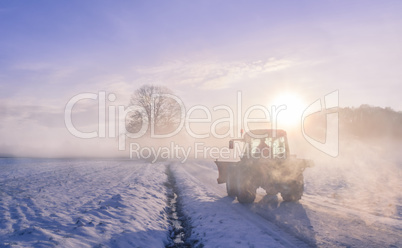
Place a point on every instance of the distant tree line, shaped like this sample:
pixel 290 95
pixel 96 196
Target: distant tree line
pixel 371 122
pixel 363 122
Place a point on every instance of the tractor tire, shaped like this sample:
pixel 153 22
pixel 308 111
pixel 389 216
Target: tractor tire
pixel 231 188
pixel 296 191
pixel 246 192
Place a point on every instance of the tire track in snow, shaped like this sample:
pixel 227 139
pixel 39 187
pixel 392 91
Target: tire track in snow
pixel 179 228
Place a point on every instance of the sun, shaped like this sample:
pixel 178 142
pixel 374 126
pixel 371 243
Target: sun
pixel 292 107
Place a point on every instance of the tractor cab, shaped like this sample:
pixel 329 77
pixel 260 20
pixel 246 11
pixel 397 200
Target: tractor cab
pixel 263 144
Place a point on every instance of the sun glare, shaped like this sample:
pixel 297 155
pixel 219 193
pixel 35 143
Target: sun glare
pixel 295 106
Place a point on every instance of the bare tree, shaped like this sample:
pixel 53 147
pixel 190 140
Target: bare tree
pixel 156 99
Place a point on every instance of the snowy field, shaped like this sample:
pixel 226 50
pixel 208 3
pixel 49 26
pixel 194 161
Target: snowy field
pixel 73 203
pixel 117 203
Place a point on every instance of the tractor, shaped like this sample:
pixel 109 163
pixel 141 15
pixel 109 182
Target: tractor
pixel 266 162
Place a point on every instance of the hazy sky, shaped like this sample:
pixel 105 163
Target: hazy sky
pixel 205 51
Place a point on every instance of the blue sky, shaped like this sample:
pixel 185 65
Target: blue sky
pixel 205 51
pixel 50 47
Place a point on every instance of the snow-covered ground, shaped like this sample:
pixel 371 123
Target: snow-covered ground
pixel 216 220
pixel 315 220
pixel 82 203
pixel 117 203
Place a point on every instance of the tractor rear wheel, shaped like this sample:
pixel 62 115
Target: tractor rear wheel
pixel 246 191
pixel 231 188
pixel 295 191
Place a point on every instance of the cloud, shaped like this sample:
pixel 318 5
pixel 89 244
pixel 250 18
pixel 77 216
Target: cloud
pixel 22 118
pixel 39 130
pixel 118 85
pixel 22 114
pixel 210 75
pixel 33 66
pixel 38 75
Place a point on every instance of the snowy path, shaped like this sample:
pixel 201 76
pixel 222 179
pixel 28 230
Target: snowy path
pixel 82 203
pixel 316 220
pixel 217 221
